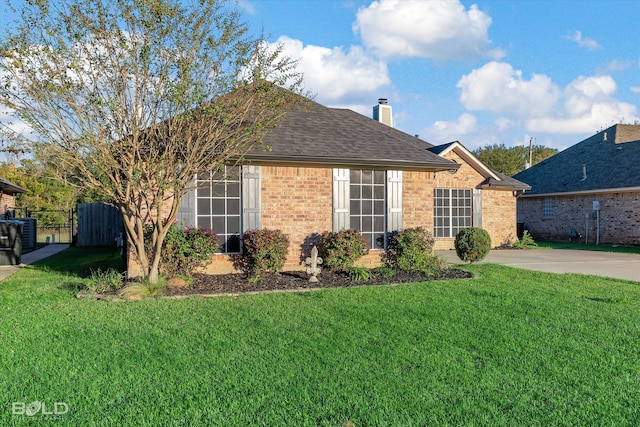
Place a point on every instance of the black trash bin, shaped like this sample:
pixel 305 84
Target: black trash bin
pixel 10 242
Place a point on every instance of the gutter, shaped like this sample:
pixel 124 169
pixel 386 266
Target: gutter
pixel 368 163
pixel 586 192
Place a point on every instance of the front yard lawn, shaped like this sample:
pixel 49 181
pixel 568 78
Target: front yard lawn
pixel 511 347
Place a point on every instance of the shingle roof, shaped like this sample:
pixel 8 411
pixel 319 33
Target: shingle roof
pixel 313 133
pixel 607 160
pixel 493 179
pixel 504 182
pixel 9 187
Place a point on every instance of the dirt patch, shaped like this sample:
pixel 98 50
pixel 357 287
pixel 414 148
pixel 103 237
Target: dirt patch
pixel 205 284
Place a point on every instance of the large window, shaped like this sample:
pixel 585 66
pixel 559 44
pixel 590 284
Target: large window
pixel 367 205
pixel 218 206
pixel 452 211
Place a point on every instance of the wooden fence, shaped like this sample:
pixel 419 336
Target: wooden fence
pixel 99 224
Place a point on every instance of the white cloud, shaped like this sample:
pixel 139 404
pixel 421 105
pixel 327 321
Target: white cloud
pixel 498 88
pixel 335 75
pixel 635 89
pixel 503 123
pixel 440 30
pixel 588 106
pixel 584 105
pixel 585 42
pixel 247 6
pixel 443 131
pixel 618 65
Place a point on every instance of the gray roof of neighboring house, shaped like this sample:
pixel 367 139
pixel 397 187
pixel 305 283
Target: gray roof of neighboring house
pixel 313 133
pixel 9 187
pixel 607 160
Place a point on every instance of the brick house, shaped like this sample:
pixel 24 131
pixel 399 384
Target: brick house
pixel 592 188
pixel 330 168
pixel 8 191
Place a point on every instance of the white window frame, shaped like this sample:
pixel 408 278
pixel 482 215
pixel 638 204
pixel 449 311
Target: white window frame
pixel 224 187
pixel 452 211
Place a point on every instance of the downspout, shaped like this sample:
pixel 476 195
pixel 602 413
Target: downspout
pixel 597 227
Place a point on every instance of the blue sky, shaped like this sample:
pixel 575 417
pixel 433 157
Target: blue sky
pixel 481 72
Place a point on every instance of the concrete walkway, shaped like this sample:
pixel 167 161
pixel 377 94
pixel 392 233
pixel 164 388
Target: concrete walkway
pixel 30 258
pixel 605 264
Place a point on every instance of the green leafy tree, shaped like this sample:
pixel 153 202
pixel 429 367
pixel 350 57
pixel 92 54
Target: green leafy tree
pixel 45 192
pixel 510 161
pixel 133 98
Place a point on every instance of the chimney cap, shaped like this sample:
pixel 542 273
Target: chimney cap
pixel 382 101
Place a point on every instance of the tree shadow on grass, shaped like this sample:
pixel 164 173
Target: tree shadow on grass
pixel 80 262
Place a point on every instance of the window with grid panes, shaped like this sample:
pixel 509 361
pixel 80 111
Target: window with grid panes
pixel 367 205
pixel 218 206
pixel 547 207
pixel 452 211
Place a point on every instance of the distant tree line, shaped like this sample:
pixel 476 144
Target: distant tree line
pixel 512 160
pixel 45 191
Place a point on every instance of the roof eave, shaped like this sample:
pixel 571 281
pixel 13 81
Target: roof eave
pixel 368 163
pixel 8 187
pixel 503 186
pixel 585 192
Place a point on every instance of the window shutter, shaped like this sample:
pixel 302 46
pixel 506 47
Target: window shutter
pixel 340 199
pixel 477 208
pixel 251 197
pixel 394 201
pixel 187 209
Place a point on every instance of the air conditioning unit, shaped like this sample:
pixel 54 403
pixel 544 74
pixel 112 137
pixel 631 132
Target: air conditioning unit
pixel 29 233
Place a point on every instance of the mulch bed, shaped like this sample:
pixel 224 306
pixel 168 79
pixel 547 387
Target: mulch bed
pixel 205 284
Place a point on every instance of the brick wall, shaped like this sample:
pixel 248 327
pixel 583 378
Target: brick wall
pixel 498 206
pixel 619 217
pixel 7 202
pixel 499 216
pixel 298 201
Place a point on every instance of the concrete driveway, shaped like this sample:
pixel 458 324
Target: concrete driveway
pixel 606 264
pixel 31 257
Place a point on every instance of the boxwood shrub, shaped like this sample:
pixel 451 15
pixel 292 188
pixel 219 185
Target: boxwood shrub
pixel 472 244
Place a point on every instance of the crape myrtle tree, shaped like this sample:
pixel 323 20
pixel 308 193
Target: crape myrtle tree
pixel 135 97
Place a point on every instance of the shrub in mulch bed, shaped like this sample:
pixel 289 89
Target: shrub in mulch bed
pixel 204 284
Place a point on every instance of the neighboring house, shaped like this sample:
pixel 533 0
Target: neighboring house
pixel 330 168
pixel 589 192
pixel 8 191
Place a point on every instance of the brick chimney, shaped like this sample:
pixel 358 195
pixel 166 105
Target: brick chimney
pixel 382 112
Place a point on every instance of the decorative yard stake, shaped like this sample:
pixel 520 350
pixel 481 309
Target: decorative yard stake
pixel 313 265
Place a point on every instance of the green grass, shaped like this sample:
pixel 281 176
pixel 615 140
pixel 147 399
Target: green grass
pixel 582 246
pixel 511 347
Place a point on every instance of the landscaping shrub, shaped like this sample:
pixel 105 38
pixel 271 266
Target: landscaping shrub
pixel 186 248
pixel 359 274
pixel 526 241
pixel 341 249
pixel 410 249
pixel 102 281
pixel 143 288
pixel 264 250
pixel 472 244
